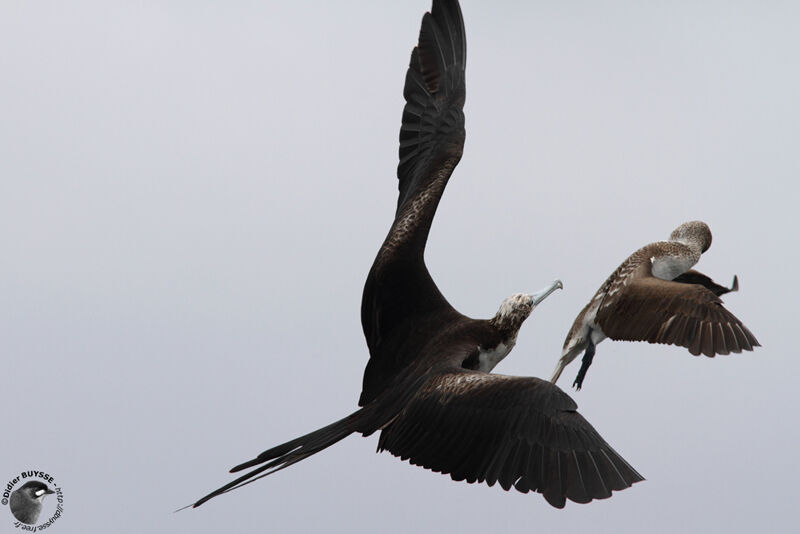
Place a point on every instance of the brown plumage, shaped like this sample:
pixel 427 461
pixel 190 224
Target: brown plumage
pixel 653 296
pixel 427 386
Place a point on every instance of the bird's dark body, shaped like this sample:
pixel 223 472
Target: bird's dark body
pixel 423 386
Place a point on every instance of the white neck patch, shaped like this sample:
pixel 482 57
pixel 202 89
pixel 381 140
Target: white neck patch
pixel 669 267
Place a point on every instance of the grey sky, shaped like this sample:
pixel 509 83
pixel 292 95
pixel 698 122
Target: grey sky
pixel 192 193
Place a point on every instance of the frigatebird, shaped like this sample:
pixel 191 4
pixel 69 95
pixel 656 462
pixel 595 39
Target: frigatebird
pixel 655 296
pixel 428 386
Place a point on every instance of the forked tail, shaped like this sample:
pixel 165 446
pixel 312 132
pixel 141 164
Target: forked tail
pixel 291 452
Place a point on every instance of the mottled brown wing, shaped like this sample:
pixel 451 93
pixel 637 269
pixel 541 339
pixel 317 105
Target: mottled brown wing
pixel 674 313
pixel 518 431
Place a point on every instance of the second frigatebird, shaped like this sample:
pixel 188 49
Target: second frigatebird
pixel 655 296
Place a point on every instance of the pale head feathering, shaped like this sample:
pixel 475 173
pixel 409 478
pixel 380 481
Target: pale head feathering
pixel 516 308
pixel 694 234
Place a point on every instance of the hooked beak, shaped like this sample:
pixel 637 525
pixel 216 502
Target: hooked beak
pixel 541 295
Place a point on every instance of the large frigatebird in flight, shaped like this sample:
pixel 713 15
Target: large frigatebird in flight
pixel 428 386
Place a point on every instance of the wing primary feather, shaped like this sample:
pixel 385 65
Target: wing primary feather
pixel 720 346
pixel 599 489
pixel 509 472
pixel 576 486
pixel 742 337
pixel 695 346
pixel 708 339
pixel 526 482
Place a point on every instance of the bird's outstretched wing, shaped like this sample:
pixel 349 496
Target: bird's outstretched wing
pixel 517 431
pixel 432 130
pixel 399 290
pixel 690 315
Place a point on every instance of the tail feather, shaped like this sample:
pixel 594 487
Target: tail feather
pixel 291 452
pixel 558 371
pixel 566 358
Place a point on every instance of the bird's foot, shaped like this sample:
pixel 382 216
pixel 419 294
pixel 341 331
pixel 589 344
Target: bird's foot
pixel 585 363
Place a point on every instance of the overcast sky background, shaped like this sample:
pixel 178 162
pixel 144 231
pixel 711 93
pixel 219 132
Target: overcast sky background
pixel 192 194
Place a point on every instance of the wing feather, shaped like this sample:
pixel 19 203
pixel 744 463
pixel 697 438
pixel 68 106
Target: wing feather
pixel 432 129
pixel 690 315
pixel 516 431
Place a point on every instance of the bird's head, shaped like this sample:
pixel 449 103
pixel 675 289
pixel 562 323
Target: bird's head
pixel 695 234
pixel 516 308
pixel 36 490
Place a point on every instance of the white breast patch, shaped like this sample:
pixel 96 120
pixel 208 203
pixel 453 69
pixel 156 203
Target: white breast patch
pixel 488 359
